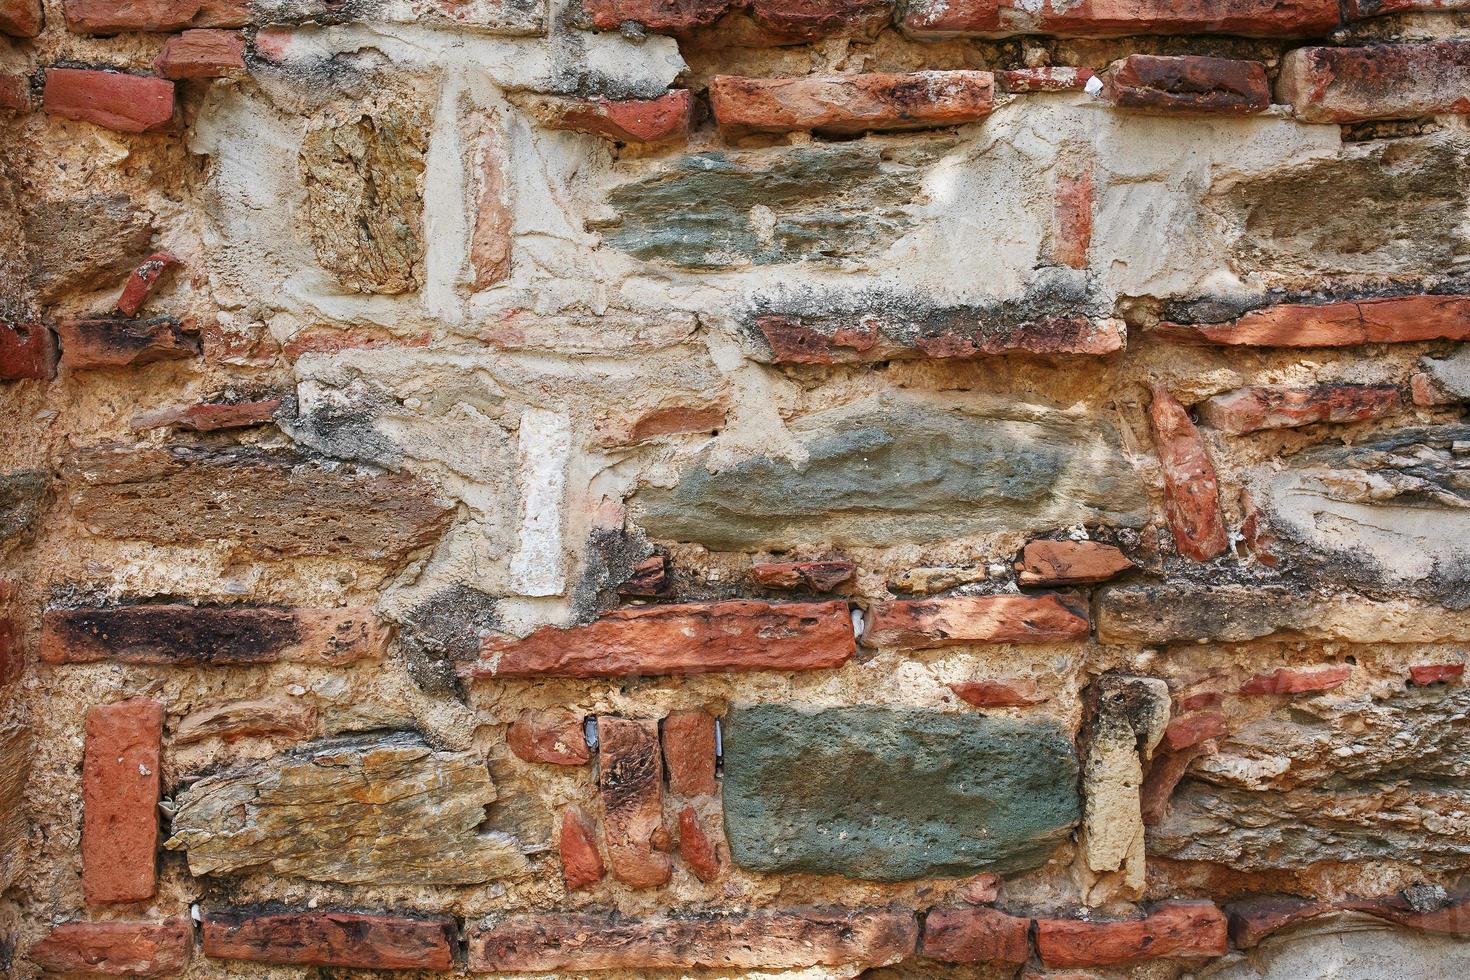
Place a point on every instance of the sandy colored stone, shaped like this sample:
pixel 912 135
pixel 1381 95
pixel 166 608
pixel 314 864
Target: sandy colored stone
pixel 276 717
pixel 84 242
pixel 211 635
pixel 365 200
pixel 374 809
pixel 120 790
pixel 684 639
pixel 923 624
pixel 631 782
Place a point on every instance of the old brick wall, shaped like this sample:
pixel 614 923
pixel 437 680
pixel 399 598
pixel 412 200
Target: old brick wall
pixel 787 488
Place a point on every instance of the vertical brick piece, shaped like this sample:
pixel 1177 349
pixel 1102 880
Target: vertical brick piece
pixel 27 351
pixel 1072 225
pixel 689 753
pixel 631 780
pixel 581 861
pixel 120 785
pixel 1191 488
pixel 695 847
pixel 140 284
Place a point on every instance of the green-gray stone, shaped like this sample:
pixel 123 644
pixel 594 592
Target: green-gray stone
pixel 816 202
pixel 889 470
pixel 892 794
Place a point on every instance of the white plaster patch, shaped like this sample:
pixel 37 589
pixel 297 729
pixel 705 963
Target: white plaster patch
pixel 545 446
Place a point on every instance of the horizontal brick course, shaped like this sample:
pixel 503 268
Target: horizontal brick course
pixel 126 103
pixel 321 938
pixel 921 624
pixel 849 104
pixel 1185 929
pixel 1403 81
pixel 124 949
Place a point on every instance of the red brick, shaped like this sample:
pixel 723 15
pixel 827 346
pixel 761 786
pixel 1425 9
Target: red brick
pixel 625 120
pixel 1191 489
pixel 631 780
pixel 1287 681
pixel 140 284
pixel 1252 920
pixel 91 344
pixel 189 636
pixel 982 889
pixel 119 16
pixel 976 935
pixel 696 638
pixel 1046 79
pixel 1426 392
pixel 1393 81
pixel 1069 563
pixel 1199 701
pixel 819 576
pixel 202 54
pixel 120 789
pixel 1422 674
pixel 27 351
pixel 553 736
pixel 1452 918
pixel 211 416
pixel 332 341
pixel 1018 693
pixel 1282 407
pixel 126 103
pixel 650 577
pixel 1188 84
pixel 1072 219
pixel 1388 320
pixel 1360 9
pixel 796 340
pixel 695 847
pixel 850 104
pixel 923 624
pixel 123 949
pixel 20 18
pixel 1191 729
pixel 810 20
pixel 581 861
pixel 689 753
pixel 1101 18
pixel 343 939
pixel 673 420
pixel 1184 929
pixel 750 941
pixel 15 92
pixel 1163 776
pixel 658 16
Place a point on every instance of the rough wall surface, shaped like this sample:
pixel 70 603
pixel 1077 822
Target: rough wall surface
pixel 698 488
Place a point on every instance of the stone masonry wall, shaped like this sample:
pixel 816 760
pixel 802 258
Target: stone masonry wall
pixel 735 488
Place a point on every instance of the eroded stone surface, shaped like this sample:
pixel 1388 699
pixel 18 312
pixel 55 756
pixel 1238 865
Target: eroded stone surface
pixel 893 794
pixel 368 810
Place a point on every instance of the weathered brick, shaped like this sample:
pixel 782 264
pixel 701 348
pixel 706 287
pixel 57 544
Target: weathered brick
pixel 689 753
pixel 144 277
pixel 1398 81
pixel 124 949
pixel 345 939
pixel 581 861
pixel 1162 778
pixel 277 717
pixel 695 847
pixel 210 416
pixel 923 624
pixel 553 736
pixel 15 92
pixel 267 502
pixel 1191 729
pixel 211 635
pixel 631 780
pixel 1298 681
pixel 1187 83
pixel 850 104
pixel 20 18
pixel 120 790
pixel 749 941
pixel 1424 674
pixel 1069 563
pixel 17 749
pixel 625 120
pixel 27 351
pixel 1191 488
pixel 118 16
pixel 650 577
pixel 668 420
pixel 1253 919
pixel 1018 693
pixel 981 889
pixel 492 242
pixel 962 334
pixel 202 54
pixel 976 935
pixel 1102 18
pixel 1071 233
pixel 1282 407
pixel 1050 78
pixel 810 20
pixel 1361 9
pixel 126 103
pixel 819 576
pixel 1421 908
pixel 1183 929
pixel 685 639
pixel 659 16
pixel 97 343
